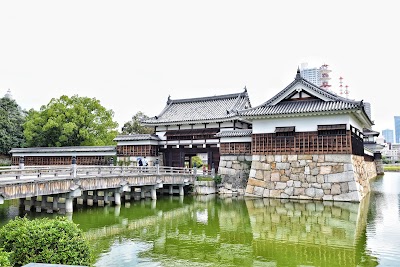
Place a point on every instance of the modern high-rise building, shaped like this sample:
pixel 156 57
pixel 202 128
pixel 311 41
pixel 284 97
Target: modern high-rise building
pixel 397 129
pixel 312 75
pixel 388 135
pixel 367 108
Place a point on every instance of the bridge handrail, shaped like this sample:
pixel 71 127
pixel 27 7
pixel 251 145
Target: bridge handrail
pixel 83 170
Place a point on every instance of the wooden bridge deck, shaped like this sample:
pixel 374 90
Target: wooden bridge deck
pixel 50 180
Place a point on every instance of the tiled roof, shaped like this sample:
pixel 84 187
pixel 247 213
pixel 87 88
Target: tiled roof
pixel 137 137
pixel 64 149
pixel 235 133
pixel 305 106
pixel 214 108
pixel 324 101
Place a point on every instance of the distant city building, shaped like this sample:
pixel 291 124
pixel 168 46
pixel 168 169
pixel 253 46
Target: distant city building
pixel 397 128
pixel 312 75
pixel 388 135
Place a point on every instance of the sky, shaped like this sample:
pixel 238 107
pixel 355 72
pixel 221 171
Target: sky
pixel 131 55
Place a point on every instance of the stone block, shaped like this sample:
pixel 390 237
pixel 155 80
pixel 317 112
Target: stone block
pixel 335 189
pixel 240 158
pixel 266 193
pixel 284 158
pixel 269 158
pixel 255 182
pixel 267 176
pixel 249 189
pixel 229 164
pixel 266 166
pixel 280 185
pixel 321 158
pixel 294 177
pixel 262 158
pixel 275 176
pixel 237 166
pixel 270 185
pixel 298 191
pixel 295 164
pixel 327 191
pixel 290 183
pixel 327 186
pixel 348 167
pixel 305 185
pixel 284 178
pixel 298 170
pixel 273 165
pixel 337 168
pixel 284 195
pixel 316 185
pixel 222 163
pixel 353 186
pixel 315 171
pixel 222 170
pixel 256 158
pixel 302 163
pixel 289 191
pixel 258 191
pixel 310 192
pixel 320 179
pixel 297 184
pixel 278 158
pixel 282 166
pixel 344 158
pixel 307 170
pixel 292 158
pixel 275 193
pixel 259 175
pixel 352 196
pixel 252 173
pixel 325 169
pixel 248 158
pixel 327 198
pixel 339 177
pixel 344 187
pixel 305 157
pixel 319 193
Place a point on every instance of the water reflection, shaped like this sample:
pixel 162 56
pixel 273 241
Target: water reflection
pixel 215 231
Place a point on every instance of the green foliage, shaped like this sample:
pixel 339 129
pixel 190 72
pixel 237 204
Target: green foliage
pixel 218 179
pixel 198 161
pixel 391 168
pixel 54 241
pixel 135 126
pixel 12 119
pixel 4 258
pixel 75 121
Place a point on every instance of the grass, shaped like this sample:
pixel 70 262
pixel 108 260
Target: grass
pixel 391 168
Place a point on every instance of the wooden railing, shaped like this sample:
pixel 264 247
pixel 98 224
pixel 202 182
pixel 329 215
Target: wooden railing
pixel 82 171
pixel 302 143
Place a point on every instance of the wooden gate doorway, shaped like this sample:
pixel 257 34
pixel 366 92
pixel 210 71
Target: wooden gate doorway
pixel 182 157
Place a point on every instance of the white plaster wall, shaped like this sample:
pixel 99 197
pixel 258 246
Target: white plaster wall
pixel 302 124
pixel 235 139
pixel 137 143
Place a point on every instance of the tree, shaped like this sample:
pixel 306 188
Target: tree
pixel 12 119
pixel 197 160
pixel 135 126
pixel 75 121
pixel 56 241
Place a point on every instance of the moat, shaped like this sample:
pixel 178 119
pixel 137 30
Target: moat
pixel 215 231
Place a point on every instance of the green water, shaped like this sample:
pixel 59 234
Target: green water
pixel 213 231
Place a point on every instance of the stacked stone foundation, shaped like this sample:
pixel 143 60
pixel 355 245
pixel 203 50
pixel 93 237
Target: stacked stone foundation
pixel 234 171
pixel 337 177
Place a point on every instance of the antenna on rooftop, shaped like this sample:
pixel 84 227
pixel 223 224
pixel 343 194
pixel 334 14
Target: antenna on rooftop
pixel 325 77
pixel 341 86
pixel 346 92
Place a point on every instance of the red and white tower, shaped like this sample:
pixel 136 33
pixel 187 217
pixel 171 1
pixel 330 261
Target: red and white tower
pixel 346 92
pixel 341 86
pixel 325 77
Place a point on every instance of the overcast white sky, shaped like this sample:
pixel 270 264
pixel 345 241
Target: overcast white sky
pixel 132 54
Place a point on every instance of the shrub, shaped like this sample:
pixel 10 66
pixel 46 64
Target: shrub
pixel 217 179
pixel 204 178
pixel 55 241
pixel 4 258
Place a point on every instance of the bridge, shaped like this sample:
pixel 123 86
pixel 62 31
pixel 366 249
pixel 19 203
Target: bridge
pixel 58 188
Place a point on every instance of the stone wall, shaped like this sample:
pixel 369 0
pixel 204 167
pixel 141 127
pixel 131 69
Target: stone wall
pixel 234 171
pixel 335 177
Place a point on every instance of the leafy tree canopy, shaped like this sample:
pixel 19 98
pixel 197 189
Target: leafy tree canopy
pixel 135 126
pixel 12 119
pixel 70 121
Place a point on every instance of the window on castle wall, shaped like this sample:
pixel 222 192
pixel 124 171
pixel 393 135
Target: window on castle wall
pixel 285 131
pixel 332 129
